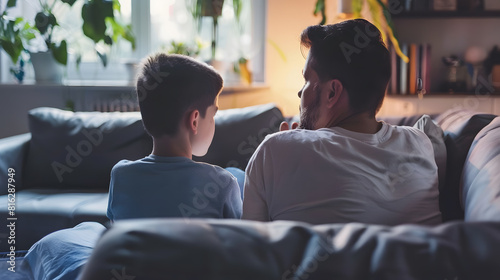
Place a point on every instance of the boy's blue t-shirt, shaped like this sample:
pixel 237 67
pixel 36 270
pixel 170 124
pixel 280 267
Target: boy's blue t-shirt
pixel 158 186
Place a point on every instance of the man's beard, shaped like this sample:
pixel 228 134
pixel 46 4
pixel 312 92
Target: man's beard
pixel 310 114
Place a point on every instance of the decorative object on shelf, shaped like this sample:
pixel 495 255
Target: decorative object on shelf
pixel 15 33
pixel 380 13
pixel 491 5
pixel 47 69
pixel 474 58
pixel 455 81
pixel 445 5
pixel 242 69
pixel 492 67
pixel 470 5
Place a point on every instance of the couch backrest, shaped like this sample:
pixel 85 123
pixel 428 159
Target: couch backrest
pixel 77 150
pixel 238 133
pixel 460 127
pixel 480 186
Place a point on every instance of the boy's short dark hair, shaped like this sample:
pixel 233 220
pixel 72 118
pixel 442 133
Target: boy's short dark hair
pixel 352 52
pixel 168 85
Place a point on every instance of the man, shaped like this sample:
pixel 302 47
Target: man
pixel 343 165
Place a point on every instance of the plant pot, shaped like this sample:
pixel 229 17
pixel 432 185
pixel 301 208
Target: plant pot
pixel 47 69
pixel 211 8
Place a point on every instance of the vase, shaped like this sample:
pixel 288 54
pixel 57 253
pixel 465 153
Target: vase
pixel 47 69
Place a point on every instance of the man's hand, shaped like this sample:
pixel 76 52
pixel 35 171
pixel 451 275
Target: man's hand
pixel 284 126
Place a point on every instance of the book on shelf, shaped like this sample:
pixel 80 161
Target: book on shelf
pixel 404 75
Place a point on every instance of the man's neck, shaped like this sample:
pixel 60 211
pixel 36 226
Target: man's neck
pixel 167 146
pixel 360 122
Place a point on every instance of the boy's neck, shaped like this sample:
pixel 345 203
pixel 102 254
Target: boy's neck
pixel 167 146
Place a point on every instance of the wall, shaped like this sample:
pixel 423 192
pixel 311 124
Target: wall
pixel 286 19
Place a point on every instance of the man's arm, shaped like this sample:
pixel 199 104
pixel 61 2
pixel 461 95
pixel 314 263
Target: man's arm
pixel 255 205
pixel 232 205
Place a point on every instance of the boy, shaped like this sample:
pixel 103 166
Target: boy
pixel 178 100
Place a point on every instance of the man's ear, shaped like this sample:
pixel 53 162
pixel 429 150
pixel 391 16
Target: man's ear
pixel 193 121
pixel 335 90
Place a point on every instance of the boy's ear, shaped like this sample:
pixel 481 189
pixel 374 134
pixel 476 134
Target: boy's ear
pixel 193 121
pixel 335 90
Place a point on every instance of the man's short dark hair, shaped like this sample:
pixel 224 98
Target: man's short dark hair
pixel 170 85
pixel 352 52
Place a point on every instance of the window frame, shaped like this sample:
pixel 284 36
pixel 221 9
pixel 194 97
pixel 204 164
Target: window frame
pixel 117 72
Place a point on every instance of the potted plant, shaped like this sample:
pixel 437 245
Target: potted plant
pixel 48 64
pixel 209 8
pixel 99 24
pixel 380 14
pixel 15 33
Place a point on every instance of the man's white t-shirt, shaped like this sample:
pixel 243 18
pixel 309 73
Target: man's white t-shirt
pixel 333 175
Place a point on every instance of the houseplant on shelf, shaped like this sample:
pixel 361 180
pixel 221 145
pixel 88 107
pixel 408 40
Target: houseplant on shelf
pixel 15 34
pixel 48 64
pixel 209 8
pixel 99 24
pixel 380 15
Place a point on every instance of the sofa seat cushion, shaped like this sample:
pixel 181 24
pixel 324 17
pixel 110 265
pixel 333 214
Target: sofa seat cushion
pixel 77 150
pixel 233 249
pixel 481 176
pixel 41 211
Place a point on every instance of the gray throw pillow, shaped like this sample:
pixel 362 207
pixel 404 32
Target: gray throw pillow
pixel 78 150
pixel 436 135
pixel 238 133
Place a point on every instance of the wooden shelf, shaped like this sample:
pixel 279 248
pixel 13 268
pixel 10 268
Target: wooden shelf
pixel 448 14
pixel 445 94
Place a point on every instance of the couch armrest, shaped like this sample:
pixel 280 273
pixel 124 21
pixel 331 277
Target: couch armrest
pixel 13 151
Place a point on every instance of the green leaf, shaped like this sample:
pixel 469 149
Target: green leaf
pixel 357 7
pixel 94 14
pixel 321 7
pixel 13 49
pixel 69 2
pixel 11 3
pixel 108 40
pixel 103 57
pixel 42 22
pixel 60 52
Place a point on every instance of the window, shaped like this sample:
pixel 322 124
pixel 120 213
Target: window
pixel 156 24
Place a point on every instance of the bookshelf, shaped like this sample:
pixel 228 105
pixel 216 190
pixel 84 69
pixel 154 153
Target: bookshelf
pixel 448 33
pixel 447 14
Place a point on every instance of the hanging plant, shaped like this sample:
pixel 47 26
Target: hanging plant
pixel 381 18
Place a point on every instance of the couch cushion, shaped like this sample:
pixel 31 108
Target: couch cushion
pixel 435 134
pixel 481 176
pixel 78 150
pixel 232 249
pixel 61 254
pixel 238 133
pixel 460 127
pixel 42 211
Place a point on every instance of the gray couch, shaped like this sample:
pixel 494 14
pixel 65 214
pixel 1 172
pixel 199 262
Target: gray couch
pixel 466 248
pixel 62 174
pixel 62 167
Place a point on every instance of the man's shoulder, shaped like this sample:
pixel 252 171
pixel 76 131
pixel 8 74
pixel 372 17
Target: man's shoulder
pixel 291 137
